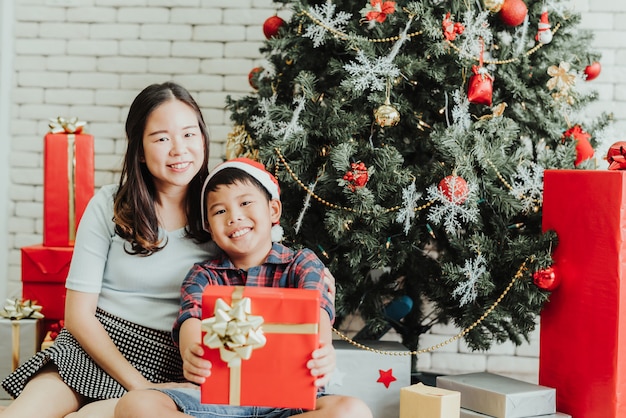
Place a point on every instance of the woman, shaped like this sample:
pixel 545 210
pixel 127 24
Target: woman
pixel 134 245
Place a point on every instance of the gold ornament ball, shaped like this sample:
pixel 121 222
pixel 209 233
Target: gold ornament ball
pixel 387 115
pixel 494 6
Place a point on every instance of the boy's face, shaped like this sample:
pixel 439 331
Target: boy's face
pixel 240 220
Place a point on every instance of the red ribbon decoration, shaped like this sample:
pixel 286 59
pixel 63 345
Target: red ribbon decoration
pixel 616 156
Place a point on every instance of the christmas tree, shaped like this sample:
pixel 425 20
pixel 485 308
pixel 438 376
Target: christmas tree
pixel 410 140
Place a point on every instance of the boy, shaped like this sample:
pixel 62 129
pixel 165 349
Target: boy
pixel 242 214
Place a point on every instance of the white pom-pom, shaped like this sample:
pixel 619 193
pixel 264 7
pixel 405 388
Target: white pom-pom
pixel 277 233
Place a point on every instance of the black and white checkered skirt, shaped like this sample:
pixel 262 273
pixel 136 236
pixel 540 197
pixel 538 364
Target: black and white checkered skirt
pixel 150 351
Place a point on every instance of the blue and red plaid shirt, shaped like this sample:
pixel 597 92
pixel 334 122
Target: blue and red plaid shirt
pixel 283 267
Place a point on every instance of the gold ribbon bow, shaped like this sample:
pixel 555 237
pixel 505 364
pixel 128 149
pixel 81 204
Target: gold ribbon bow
pixel 16 310
pixel 234 331
pixel 68 126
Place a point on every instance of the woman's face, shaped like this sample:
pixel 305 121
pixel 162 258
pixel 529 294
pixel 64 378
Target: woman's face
pixel 173 145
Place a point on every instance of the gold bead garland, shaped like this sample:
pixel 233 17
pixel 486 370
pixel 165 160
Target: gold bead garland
pixel 518 275
pixel 505 182
pixel 332 205
pixel 344 36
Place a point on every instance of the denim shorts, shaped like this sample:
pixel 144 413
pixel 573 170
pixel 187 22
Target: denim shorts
pixel 188 402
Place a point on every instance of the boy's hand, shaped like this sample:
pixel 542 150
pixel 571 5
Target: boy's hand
pixel 195 368
pixel 322 364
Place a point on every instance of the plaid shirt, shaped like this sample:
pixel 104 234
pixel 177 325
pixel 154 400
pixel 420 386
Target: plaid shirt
pixel 283 267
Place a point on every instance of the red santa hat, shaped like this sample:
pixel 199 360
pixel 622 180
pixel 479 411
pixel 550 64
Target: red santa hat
pixel 260 173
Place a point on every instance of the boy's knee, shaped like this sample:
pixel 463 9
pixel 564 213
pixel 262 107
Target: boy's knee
pixel 348 407
pixel 135 404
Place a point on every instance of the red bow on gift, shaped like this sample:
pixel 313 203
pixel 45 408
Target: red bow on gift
pixel 616 156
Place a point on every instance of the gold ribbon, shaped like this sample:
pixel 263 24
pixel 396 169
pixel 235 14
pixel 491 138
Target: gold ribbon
pixel 66 126
pixel 72 127
pixel 236 332
pixel 16 310
pixel 71 179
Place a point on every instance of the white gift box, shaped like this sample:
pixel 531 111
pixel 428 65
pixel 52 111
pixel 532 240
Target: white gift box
pixel 375 378
pixel 500 396
pixel 19 341
pixel 466 413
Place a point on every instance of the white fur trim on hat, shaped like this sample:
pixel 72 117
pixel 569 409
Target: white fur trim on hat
pixel 254 169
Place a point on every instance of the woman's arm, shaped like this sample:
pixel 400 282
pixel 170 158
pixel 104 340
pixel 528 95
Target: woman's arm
pixel 81 322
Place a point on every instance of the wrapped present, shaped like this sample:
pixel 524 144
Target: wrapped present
pixel 68 183
pixel 20 335
pixel 255 332
pixel 375 375
pixel 467 413
pixel 582 346
pixel 422 401
pixel 500 396
pixel 44 270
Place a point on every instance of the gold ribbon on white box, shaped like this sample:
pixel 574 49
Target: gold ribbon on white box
pixel 16 310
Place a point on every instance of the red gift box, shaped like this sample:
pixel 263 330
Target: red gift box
pixel 68 185
pixel 275 375
pixel 44 270
pixel 583 326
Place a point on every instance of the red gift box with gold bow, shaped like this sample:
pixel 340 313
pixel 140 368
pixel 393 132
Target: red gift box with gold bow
pixel 251 333
pixel 68 183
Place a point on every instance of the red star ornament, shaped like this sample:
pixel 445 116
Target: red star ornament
pixel 386 377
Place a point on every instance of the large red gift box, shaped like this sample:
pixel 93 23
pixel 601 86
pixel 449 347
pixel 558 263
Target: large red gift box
pixel 44 270
pixel 583 326
pixel 275 375
pixel 68 185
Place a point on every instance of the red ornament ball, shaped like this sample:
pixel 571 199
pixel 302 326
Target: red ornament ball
pixel 252 77
pixel 546 279
pixel 357 176
pixel 272 25
pixel 592 71
pixel 584 150
pixel 454 188
pixel 513 12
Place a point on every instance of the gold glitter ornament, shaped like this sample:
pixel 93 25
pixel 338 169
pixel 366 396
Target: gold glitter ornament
pixel 386 115
pixel 494 6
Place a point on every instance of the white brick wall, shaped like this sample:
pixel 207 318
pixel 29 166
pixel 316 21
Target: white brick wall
pixel 89 58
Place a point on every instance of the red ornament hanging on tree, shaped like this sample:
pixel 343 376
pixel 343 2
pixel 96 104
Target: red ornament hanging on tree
pixel 357 176
pixel 272 25
pixel 480 88
pixel 454 188
pixel 546 279
pixel 592 71
pixel 253 76
pixel 584 150
pixel 513 12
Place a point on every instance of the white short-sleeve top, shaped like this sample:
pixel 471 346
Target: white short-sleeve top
pixel 141 289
